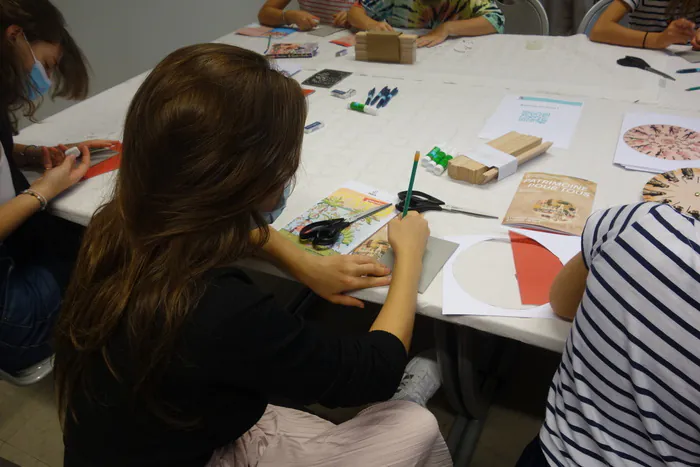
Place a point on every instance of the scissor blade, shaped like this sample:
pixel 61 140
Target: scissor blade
pixel 468 212
pixel 660 73
pixel 368 213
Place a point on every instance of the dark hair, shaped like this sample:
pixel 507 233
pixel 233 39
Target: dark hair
pixel 40 21
pixel 213 133
pixel 683 9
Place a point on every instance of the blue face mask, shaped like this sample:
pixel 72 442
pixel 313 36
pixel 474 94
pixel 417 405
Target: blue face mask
pixel 272 216
pixel 41 83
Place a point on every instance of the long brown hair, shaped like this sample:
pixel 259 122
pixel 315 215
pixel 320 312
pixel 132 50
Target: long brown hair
pixel 212 133
pixel 40 21
pixel 683 9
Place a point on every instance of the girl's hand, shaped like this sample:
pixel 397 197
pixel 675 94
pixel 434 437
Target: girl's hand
pixel 380 26
pixel 330 276
pixel 54 156
pixel 434 37
pixel 305 21
pixel 340 19
pixel 696 40
pixel 58 179
pixel 679 31
pixel 408 236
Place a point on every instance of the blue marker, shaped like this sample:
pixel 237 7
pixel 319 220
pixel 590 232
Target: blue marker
pixel 370 95
pixel 388 98
pixel 376 99
pixel 689 70
pixel 385 91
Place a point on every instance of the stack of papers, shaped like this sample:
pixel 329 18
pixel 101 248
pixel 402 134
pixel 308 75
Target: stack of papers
pixel 658 143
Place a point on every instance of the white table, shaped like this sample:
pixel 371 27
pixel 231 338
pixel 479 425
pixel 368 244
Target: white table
pixel 445 97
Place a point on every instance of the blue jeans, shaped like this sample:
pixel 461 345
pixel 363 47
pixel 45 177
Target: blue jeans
pixel 29 306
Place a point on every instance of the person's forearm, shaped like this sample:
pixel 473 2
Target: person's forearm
pixel 568 288
pixel 616 34
pixel 359 19
pixel 281 251
pixel 24 157
pixel 470 27
pixel 271 16
pixel 15 212
pixel 399 310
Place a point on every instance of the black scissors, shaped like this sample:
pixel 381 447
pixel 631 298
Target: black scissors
pixel 326 233
pixel 636 62
pixel 422 202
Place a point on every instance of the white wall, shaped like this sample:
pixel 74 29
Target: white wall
pixel 122 38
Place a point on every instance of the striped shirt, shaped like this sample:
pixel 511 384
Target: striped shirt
pixel 650 15
pixel 325 9
pixel 627 391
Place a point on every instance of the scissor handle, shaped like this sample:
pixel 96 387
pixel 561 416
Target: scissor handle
pixel 419 194
pixel 323 233
pixel 418 207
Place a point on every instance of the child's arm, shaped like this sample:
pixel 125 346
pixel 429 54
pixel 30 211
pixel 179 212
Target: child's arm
pixel 607 29
pixel 464 27
pixel 568 287
pixel 272 14
pixel 358 18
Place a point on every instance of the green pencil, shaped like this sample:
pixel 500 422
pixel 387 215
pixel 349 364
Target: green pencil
pixel 696 88
pixel 409 192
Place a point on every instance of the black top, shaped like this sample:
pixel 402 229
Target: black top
pixel 237 349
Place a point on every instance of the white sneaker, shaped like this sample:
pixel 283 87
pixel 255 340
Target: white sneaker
pixel 421 379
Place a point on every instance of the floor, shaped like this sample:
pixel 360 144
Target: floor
pixel 30 434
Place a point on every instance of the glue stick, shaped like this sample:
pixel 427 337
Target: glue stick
pixel 362 108
pixel 428 158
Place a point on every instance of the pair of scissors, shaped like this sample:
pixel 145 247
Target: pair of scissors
pixel 636 62
pixel 326 233
pixel 422 202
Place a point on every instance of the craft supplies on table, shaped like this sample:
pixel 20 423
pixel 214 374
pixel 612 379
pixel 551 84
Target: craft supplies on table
pixel 423 202
pixel 326 78
pixel 341 53
pixel 352 198
pixel 457 301
pixel 679 189
pixel 345 41
pixel 325 233
pixel 658 143
pixel 636 62
pixel 312 127
pixel 386 46
pixel 343 94
pixel 551 119
pixel 356 106
pixel 496 159
pixel 436 161
pixel 288 50
pixel 551 203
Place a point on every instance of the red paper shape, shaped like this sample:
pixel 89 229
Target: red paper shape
pixel 535 269
pixel 107 165
pixel 345 41
pixel 308 92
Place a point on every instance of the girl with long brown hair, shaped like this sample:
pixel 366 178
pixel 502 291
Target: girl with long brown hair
pixel 653 24
pixel 167 354
pixel 37 251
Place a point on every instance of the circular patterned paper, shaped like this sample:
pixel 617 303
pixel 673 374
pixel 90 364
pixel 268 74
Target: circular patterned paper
pixel 679 189
pixel 668 142
pixel 555 210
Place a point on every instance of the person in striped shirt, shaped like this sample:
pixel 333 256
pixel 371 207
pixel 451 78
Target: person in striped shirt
pixel 627 390
pixel 310 14
pixel 653 24
pixel 445 17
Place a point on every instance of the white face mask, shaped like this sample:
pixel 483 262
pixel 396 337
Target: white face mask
pixel 41 83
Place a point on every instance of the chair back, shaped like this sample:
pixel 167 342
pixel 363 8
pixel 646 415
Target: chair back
pixel 525 17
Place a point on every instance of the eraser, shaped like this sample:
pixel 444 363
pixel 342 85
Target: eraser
pixel 343 94
pixel 340 53
pixel 310 128
pixel 74 151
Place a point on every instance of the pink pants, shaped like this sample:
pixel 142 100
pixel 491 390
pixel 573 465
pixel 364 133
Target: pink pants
pixel 393 433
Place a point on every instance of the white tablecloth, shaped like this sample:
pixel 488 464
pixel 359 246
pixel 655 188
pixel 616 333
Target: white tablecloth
pixel 445 97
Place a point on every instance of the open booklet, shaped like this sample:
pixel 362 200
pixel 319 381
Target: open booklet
pixel 552 203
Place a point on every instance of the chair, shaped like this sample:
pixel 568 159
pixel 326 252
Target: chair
pixel 31 375
pixel 526 17
pixel 592 16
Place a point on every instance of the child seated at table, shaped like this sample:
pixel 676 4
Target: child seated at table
pixel 653 24
pixel 310 13
pixel 167 353
pixel 445 17
pixel 627 390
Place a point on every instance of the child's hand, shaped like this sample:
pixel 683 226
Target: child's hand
pixel 380 26
pixel 679 31
pixel 696 40
pixel 58 179
pixel 434 37
pixel 305 21
pixel 340 19
pixel 408 236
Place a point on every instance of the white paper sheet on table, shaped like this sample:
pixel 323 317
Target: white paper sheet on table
pixel 456 301
pixel 632 159
pixel 552 120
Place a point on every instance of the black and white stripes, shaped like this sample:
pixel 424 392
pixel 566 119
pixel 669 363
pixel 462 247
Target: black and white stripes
pixel 650 15
pixel 627 391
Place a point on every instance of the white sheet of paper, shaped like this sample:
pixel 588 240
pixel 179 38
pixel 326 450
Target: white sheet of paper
pixel 552 120
pixel 635 160
pixel 491 157
pixel 456 301
pixel 288 68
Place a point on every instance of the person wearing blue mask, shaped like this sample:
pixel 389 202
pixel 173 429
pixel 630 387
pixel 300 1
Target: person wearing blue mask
pixel 37 251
